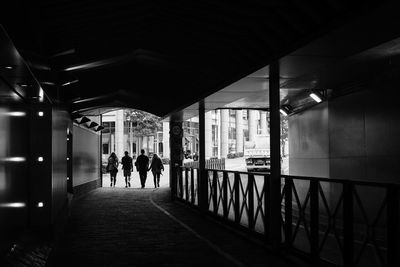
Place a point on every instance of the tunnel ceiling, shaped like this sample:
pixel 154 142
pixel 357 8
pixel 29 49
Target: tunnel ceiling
pixel 161 56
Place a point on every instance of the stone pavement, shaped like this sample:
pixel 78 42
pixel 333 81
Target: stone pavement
pixel 142 227
pixel 135 180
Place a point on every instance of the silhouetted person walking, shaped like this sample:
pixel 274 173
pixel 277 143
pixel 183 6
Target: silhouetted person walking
pixel 112 168
pixel 156 167
pixel 142 165
pixel 127 166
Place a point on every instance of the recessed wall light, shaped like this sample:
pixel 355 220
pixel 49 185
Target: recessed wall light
pixel 40 159
pixel 40 113
pixel 40 204
pixel 9 67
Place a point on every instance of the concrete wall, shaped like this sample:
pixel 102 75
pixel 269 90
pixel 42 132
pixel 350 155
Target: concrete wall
pixel 60 121
pixel 351 137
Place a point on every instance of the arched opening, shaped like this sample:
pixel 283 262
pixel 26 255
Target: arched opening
pixel 131 130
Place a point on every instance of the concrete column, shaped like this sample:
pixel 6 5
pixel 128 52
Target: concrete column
pixel 144 144
pixel 166 140
pixel 252 124
pixel 264 123
pixel 119 133
pixel 224 115
pixel 130 139
pixel 208 135
pixel 112 143
pixel 239 131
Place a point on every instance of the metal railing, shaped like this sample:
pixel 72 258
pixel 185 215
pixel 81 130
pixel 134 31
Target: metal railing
pixel 342 222
pixel 210 164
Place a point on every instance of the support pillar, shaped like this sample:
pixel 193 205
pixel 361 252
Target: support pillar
pixel 166 140
pixel 264 123
pixel 275 176
pixel 224 115
pixel 252 124
pixel 203 183
pixel 176 155
pixel 208 134
pixel 239 131
pixel 119 133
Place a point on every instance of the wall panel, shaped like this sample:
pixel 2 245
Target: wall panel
pixel 86 160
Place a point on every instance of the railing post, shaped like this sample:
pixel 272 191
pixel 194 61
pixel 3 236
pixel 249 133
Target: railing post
pixel 214 190
pixel 237 197
pixel 288 212
pixel 250 187
pixel 267 207
pixel 392 227
pixel 275 176
pixel 192 186
pixel 225 194
pixel 314 221
pixel 180 178
pixel 187 184
pixel 348 235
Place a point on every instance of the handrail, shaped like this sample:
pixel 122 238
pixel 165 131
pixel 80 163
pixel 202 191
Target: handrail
pixel 323 179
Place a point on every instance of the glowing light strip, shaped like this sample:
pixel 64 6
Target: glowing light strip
pixel 13 205
pixel 13 159
pixel 68 83
pixel 283 112
pixel 316 98
pixel 13 113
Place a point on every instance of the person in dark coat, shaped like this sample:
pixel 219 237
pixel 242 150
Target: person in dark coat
pixel 127 166
pixel 112 168
pixel 142 166
pixel 156 167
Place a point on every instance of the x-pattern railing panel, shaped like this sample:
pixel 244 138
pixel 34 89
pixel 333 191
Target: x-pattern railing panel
pixel 370 237
pixel 332 220
pixel 210 189
pixel 259 197
pixel 220 192
pixel 244 206
pixel 302 206
pixel 231 195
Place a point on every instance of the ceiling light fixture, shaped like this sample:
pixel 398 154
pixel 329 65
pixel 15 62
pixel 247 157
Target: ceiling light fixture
pixel 23 85
pixel 285 110
pixel 316 96
pixel 47 83
pixel 70 82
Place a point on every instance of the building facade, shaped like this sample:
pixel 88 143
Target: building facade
pixel 227 130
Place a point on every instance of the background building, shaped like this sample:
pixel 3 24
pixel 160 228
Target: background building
pixel 226 132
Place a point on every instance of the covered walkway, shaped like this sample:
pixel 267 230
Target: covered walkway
pixel 135 227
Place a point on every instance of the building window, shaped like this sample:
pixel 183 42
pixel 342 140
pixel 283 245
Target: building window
pixel 246 134
pixel 105 149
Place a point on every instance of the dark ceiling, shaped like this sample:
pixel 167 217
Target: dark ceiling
pixel 161 56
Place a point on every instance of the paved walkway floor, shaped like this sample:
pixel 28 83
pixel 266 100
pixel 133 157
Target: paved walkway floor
pixel 142 227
